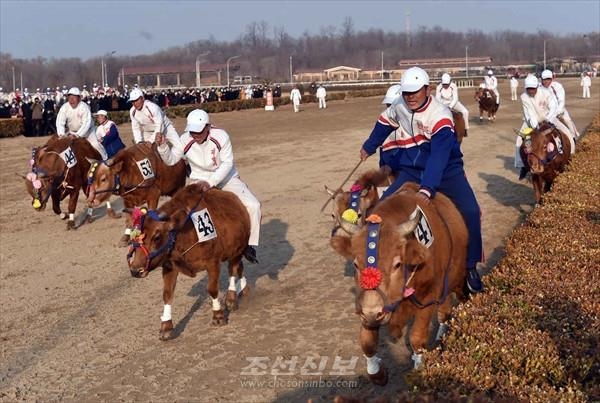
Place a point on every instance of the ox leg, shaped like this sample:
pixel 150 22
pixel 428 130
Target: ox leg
pixel 55 196
pixel 398 321
pixel 213 291
pixel 110 212
pixel 419 334
pixel 166 323
pixel 124 241
pixel 237 283
pixel 537 188
pixel 443 318
pixel 73 197
pixel 368 339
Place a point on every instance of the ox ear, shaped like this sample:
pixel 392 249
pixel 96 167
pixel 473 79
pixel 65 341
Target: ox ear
pixel 415 253
pixel 116 167
pixel 409 226
pixel 341 244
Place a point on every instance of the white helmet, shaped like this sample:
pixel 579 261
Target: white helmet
pixel 446 78
pixel 196 121
pixel 531 81
pixel 414 79
pixel 135 95
pixel 546 74
pixel 392 94
pixel 490 73
pixel 74 91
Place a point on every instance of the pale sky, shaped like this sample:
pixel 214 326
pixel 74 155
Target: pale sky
pixel 85 29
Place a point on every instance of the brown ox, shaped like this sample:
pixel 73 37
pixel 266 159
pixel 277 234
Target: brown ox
pixel 460 127
pixel 419 261
pixel 58 170
pixel 541 152
pixel 361 197
pixel 138 175
pixel 194 231
pixel 487 103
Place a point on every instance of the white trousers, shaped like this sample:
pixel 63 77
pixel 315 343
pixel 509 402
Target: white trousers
pixel 586 92
pixel 93 140
pixel 241 190
pixel 296 106
pixel 322 103
pixel 513 94
pixel 465 112
pixel 566 119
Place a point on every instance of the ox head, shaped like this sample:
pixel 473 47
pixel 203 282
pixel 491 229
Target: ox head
pixel 350 208
pixel 382 253
pixel 46 174
pixel 102 180
pixel 540 148
pixel 152 238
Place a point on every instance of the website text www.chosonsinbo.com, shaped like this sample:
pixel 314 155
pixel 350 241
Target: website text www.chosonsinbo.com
pixel 285 383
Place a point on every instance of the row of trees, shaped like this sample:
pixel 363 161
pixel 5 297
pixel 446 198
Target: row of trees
pixel 265 51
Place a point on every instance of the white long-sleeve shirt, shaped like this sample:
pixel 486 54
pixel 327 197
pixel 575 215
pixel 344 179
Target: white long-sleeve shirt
pixel 447 96
pixel 211 161
pixel 295 96
pixel 491 82
pixel 76 120
pixel 148 121
pixel 542 106
pixel 559 93
pixel 321 92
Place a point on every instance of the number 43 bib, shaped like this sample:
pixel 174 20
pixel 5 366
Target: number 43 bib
pixel 205 229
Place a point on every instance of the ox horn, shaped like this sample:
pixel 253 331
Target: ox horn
pixel 21 175
pixel 409 225
pixel 331 193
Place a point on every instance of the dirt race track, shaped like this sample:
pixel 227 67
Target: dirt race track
pixel 77 327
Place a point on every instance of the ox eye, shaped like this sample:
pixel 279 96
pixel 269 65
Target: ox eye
pixel 355 264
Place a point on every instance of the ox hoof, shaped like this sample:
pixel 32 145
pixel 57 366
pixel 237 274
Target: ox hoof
pixel 111 213
pixel 166 330
pixel 90 219
pixel 381 377
pixel 231 301
pixel 124 241
pixel 218 318
pixel 71 225
pixel 245 291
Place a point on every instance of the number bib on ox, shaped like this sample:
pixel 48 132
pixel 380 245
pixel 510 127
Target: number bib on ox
pixel 423 231
pixel 205 229
pixel 68 157
pixel 145 168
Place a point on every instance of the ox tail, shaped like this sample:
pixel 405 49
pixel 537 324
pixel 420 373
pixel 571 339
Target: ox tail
pixel 250 254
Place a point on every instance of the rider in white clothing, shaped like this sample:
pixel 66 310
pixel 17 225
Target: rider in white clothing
pixel 447 93
pixel 75 118
pixel 148 119
pixel 209 154
pixel 491 83
pixel 559 92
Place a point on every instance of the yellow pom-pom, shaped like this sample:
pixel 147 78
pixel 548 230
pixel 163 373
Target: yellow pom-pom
pixel 527 131
pixel 36 203
pixel 350 215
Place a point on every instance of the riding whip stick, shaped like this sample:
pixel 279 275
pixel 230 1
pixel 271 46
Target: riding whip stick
pixel 342 185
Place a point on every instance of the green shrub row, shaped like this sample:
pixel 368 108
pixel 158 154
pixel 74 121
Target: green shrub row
pixel 15 127
pixel 534 335
pixel 11 127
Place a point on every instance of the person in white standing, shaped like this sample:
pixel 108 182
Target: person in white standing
pixel 296 97
pixel 586 83
pixel 74 118
pixel 539 105
pixel 209 153
pixel 321 94
pixel 514 85
pixel 447 93
pixel 558 90
pixel 491 83
pixel 148 119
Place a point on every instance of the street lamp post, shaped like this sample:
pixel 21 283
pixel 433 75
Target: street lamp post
pixel 105 68
pixel 198 67
pixel 228 60
pixel 291 77
pixel 544 54
pixel 382 64
pixel 467 60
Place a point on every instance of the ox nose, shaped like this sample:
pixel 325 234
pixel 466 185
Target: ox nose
pixel 373 319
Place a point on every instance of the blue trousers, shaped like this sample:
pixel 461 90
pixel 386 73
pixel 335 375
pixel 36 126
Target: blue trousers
pixel 458 189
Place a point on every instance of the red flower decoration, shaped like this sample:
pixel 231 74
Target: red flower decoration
pixel 374 218
pixel 357 187
pixel 370 278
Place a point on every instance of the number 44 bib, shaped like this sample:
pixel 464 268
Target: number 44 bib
pixel 205 229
